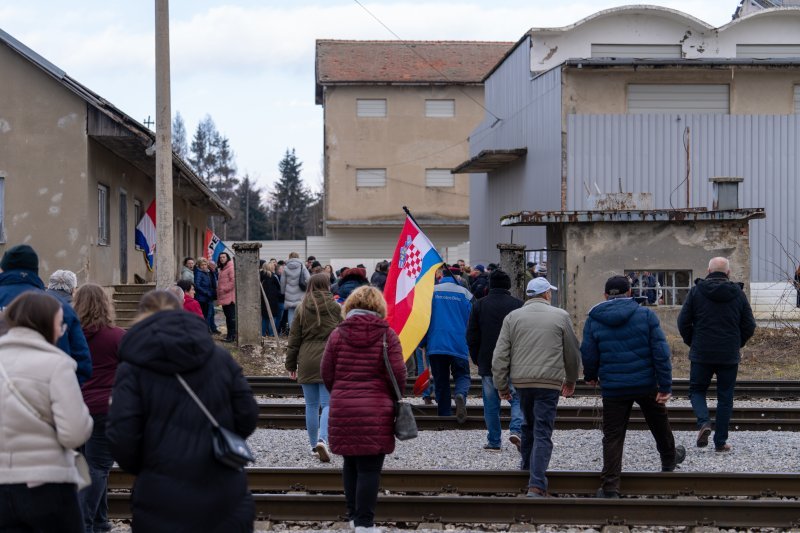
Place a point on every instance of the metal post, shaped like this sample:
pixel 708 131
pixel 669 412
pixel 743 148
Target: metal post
pixel 165 251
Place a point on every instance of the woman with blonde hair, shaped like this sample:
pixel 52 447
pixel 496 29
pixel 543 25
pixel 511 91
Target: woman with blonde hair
pixel 94 310
pixel 158 432
pixel 317 315
pixel 362 398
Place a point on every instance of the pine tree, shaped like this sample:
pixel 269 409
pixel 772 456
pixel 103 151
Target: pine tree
pixel 179 143
pixel 203 156
pixel 254 212
pixel 223 179
pixel 290 199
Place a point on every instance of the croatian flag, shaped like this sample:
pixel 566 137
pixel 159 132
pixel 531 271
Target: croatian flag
pixel 214 246
pixel 146 235
pixel 409 286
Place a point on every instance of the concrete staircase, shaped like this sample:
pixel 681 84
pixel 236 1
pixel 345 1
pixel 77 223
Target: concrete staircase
pixel 126 301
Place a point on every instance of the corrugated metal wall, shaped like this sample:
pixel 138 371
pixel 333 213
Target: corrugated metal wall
pixel 530 117
pixel 646 153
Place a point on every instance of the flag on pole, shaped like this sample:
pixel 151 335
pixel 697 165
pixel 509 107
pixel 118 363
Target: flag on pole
pixel 146 235
pixel 214 246
pixel 409 286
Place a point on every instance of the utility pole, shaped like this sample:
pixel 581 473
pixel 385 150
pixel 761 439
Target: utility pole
pixel 165 249
pixel 247 209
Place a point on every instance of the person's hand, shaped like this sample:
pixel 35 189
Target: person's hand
pixel 593 382
pixel 663 397
pixel 293 375
pixel 567 390
pixel 505 395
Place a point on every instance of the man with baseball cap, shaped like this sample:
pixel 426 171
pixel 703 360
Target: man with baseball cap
pixel 537 352
pixel 626 352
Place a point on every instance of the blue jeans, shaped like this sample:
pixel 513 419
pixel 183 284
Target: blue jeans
pixel 700 375
pixel 289 317
pixel 266 325
pixel 441 367
pixel 539 410
pixel 491 411
pixel 93 498
pixel 210 318
pixel 420 368
pixel 316 396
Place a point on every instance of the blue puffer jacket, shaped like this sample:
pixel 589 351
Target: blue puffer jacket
pixel 447 333
pixel 204 286
pixel 624 346
pixel 73 342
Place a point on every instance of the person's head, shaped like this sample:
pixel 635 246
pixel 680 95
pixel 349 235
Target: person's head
pixel 37 311
pixel 361 265
pixel 491 267
pixel 367 298
pixel 20 257
pixel 617 287
pixel 268 268
pixel 188 263
pixel 540 288
pixel 316 264
pixel 93 306
pixel 318 282
pixel 212 266
pixel 63 280
pixel 461 263
pixel 328 269
pixel 223 259
pixel 294 255
pixel 499 280
pixel 158 300
pixel 310 261
pixel 531 266
pixel 187 287
pixel 177 291
pixel 480 268
pixel 719 264
pixel 202 263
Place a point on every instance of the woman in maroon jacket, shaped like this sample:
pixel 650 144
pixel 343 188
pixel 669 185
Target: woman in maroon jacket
pixel 361 419
pixel 93 307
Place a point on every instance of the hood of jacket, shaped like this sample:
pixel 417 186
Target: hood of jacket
pixel 21 277
pixel 615 312
pixel 168 342
pixel 718 288
pixel 363 330
pixel 293 265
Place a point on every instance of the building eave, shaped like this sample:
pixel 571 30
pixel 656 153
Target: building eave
pixel 489 161
pixel 546 218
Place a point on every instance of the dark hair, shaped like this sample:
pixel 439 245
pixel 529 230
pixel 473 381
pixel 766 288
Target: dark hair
pixel 34 310
pixel 185 285
pixel 187 260
pixel 226 262
pixel 360 265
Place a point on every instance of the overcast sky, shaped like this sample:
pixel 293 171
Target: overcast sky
pixel 250 63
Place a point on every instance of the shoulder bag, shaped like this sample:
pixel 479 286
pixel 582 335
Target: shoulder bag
pixel 85 478
pixel 229 448
pixel 405 427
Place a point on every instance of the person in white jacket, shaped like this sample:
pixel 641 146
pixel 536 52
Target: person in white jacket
pixel 42 420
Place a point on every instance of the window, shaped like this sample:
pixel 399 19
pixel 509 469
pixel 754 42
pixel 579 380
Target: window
pixel 371 177
pixel 767 51
pixel 375 108
pixel 2 209
pixel 102 214
pixel 137 217
pixel 637 50
pixel 439 177
pixel 661 287
pixel 674 98
pixel 440 108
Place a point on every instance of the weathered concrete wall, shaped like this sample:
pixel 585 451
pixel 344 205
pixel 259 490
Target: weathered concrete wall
pixel 248 295
pixel 512 261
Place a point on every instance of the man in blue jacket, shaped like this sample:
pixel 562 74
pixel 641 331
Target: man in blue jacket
pixel 625 350
pixel 446 344
pixel 20 266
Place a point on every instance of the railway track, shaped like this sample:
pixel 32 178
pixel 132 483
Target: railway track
pixel 292 416
pixel 775 390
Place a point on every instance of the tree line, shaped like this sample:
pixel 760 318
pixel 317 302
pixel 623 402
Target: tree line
pixel 289 210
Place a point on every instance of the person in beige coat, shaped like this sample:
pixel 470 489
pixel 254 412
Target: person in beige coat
pixel 42 420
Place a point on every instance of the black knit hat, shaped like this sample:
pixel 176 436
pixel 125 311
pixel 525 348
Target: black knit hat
pixel 20 257
pixel 499 280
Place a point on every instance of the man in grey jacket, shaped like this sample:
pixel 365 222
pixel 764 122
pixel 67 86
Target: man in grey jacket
pixel 538 354
pixel 293 284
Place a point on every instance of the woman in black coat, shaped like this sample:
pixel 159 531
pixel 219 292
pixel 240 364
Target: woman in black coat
pixel 272 289
pixel 158 433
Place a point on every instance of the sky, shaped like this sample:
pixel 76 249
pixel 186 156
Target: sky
pixel 249 64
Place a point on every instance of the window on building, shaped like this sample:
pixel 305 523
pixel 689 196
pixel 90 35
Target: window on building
pixel 797 99
pixel 661 287
pixel 637 50
pixel 440 108
pixel 375 108
pixel 197 252
pixel 137 217
pixel 439 177
pixel 371 177
pixel 767 51
pixel 102 214
pixel 2 209
pixel 674 98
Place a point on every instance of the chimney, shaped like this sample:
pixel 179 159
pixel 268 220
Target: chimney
pixel 725 192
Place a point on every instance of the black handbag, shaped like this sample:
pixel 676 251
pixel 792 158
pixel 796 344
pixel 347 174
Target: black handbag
pixel 229 448
pixel 405 426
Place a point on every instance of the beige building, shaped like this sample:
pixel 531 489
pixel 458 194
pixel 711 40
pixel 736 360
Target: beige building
pixel 397 119
pixel 77 174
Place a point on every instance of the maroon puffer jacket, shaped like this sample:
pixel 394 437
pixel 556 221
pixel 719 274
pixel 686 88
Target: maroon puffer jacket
pixel 361 417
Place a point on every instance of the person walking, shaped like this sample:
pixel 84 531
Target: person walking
pixel 187 270
pixel 96 313
pixel 294 280
pixel 43 420
pixel 62 285
pixel 351 279
pixel 362 398
pixel 271 286
pixel 316 318
pixel 537 353
pixel 625 351
pixel 158 433
pixel 189 302
pixel 446 344
pixel 483 330
pixel 226 294
pixel 716 321
pixel 378 278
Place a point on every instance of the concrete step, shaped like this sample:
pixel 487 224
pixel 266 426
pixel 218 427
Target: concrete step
pixel 133 289
pixel 127 297
pixel 129 314
pixel 126 306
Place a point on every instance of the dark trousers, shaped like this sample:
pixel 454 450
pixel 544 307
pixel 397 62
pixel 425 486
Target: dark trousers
pixel 48 508
pixel 94 504
pixel 700 375
pixel 539 417
pixel 230 319
pixel 616 414
pixel 362 479
pixel 441 367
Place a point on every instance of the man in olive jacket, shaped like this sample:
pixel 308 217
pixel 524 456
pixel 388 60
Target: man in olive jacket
pixel 715 321
pixel 537 352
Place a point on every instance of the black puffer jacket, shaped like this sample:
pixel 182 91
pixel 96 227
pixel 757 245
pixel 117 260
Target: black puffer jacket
pixel 485 321
pixel 716 320
pixel 158 433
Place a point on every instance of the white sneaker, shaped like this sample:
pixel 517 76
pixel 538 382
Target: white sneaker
pixel 322 450
pixel 352 524
pixel 361 529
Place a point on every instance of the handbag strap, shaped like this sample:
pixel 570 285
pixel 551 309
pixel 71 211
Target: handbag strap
pixel 197 401
pixel 389 369
pixel 18 395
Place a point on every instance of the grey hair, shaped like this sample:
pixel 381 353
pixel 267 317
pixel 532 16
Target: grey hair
pixel 719 264
pixel 177 291
pixel 63 280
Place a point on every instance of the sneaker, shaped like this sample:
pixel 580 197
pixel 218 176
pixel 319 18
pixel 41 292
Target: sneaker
pixel 607 494
pixel 516 441
pixel 725 448
pixel 461 409
pixel 536 492
pixel 323 451
pixel 703 434
pixel 490 448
